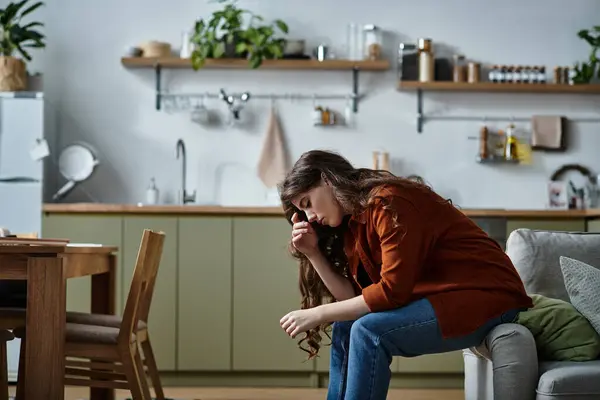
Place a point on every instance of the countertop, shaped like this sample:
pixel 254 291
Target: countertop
pixel 103 208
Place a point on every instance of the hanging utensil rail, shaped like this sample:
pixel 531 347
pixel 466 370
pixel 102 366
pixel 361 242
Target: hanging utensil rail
pixel 263 96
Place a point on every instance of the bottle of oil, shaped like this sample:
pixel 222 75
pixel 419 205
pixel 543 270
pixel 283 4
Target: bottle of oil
pixel 510 147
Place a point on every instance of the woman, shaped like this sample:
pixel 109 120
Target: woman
pixel 408 273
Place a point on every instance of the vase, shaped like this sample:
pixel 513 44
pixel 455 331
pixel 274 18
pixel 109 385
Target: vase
pixel 13 74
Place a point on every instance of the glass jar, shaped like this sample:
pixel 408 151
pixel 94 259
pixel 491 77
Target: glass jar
pixel 354 42
pixel 372 42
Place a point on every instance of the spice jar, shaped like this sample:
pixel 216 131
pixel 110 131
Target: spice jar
pixel 474 72
pixel 426 61
pixel 373 42
pixel 558 75
pixel 460 69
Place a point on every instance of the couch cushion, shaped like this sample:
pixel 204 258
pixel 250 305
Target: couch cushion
pixel 536 256
pixel 583 286
pixel 561 333
pixel 569 380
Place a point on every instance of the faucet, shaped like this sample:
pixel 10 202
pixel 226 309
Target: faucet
pixel 185 198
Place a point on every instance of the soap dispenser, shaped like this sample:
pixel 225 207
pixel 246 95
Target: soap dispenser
pixel 152 192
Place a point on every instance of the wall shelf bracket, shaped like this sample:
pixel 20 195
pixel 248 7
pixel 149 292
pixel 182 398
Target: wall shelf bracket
pixel 355 94
pixel 420 116
pixel 157 73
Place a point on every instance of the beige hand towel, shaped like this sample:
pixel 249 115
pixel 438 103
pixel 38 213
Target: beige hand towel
pixel 273 161
pixel 547 132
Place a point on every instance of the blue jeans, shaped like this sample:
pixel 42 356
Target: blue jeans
pixel 362 350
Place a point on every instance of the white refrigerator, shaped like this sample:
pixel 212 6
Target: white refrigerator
pixel 21 173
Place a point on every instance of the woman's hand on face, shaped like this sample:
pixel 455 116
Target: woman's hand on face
pixel 304 237
pixel 300 321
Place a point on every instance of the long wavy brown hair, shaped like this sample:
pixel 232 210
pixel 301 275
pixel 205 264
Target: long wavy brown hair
pixel 353 189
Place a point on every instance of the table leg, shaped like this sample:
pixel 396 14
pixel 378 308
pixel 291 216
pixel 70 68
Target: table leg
pixel 45 328
pixel 103 302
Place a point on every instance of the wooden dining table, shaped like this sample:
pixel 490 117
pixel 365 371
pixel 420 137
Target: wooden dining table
pixel 47 269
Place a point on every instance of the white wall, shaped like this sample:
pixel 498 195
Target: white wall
pixel 93 98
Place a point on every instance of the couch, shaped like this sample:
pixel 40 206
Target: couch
pixel 505 365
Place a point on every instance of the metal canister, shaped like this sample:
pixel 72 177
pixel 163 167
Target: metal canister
pixel 408 62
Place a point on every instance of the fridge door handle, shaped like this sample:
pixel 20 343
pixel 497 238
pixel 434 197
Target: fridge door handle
pixel 18 179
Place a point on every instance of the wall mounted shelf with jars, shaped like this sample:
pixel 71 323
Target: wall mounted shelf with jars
pixel 158 64
pixel 490 87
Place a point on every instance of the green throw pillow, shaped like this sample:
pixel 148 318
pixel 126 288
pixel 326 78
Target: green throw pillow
pixel 561 332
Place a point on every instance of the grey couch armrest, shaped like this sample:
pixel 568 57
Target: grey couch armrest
pixel 513 367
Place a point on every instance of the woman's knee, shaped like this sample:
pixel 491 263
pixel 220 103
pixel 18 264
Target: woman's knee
pixel 365 329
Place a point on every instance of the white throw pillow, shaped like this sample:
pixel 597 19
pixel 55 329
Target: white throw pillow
pixel 582 282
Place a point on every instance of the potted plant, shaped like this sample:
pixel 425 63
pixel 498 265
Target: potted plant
pixel 16 37
pixel 585 71
pixel 224 35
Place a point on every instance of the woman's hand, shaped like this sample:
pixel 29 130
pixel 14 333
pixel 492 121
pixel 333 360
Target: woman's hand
pixel 300 321
pixel 304 237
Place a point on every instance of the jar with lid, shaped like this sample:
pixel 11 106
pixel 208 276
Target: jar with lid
pixel 372 42
pixel 474 72
pixel 426 61
pixel 460 69
pixel 493 73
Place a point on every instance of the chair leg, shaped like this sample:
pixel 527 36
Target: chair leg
pixel 21 377
pixel 135 379
pixel 3 371
pixel 139 365
pixel 150 362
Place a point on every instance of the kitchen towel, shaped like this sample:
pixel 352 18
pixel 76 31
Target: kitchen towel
pixel 547 132
pixel 273 161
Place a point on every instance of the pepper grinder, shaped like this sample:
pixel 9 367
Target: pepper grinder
pixel 385 160
pixel 375 160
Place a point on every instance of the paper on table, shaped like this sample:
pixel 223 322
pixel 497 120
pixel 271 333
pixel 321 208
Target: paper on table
pixel 84 245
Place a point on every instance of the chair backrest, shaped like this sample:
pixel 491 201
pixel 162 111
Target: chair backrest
pixel 536 256
pixel 142 283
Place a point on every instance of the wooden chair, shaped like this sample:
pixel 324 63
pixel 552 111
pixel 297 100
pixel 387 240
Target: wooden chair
pixel 108 355
pixel 5 336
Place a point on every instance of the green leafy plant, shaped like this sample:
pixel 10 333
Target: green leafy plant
pixel 584 71
pixel 17 37
pixel 224 35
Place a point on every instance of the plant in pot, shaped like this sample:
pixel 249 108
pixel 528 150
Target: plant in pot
pixel 585 71
pixel 224 35
pixel 16 37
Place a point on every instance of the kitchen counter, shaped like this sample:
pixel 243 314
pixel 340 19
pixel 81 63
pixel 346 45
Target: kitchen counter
pixel 103 208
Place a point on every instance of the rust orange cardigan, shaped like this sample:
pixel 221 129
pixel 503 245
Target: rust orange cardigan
pixel 437 252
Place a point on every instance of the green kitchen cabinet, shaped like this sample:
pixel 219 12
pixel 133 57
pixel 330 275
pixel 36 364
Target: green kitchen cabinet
pixel 204 294
pixel 265 288
pixel 162 321
pixel 593 225
pixel 566 225
pixel 102 229
pixel 324 355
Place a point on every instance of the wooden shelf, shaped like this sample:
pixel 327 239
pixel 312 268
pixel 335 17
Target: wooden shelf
pixel 499 87
pixel 236 63
pixel 158 64
pixel 489 87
